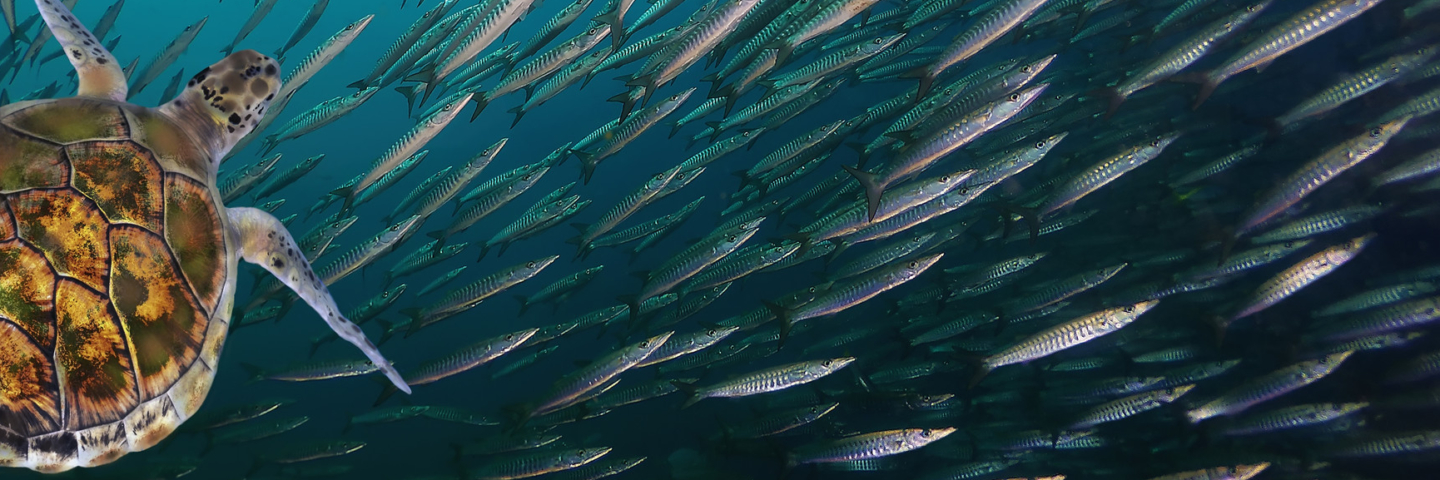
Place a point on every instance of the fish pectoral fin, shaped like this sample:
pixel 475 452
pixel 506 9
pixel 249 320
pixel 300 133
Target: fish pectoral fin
pixel 264 241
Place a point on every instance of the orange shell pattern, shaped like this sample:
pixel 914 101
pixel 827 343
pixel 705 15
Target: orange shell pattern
pixel 112 264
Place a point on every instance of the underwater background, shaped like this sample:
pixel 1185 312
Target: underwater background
pixel 1140 218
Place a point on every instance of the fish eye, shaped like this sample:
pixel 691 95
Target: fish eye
pixel 645 344
pixel 385 295
pixel 1014 97
pixel 1130 309
pixel 825 363
pixel 530 265
pixel 712 332
pixel 878 41
pixel 1025 69
pixel 914 264
pixel 1155 142
pixel 675 97
pixel 1376 133
pixel 594 31
pixel 1040 144
pixel 510 336
pixel 732 238
pixel 944 178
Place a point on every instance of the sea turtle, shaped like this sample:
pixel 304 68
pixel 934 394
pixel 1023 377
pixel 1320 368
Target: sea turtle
pixel 118 260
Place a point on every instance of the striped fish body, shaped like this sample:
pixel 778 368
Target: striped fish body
pixel 236 185
pixel 695 43
pixel 563 79
pixel 289 177
pixel 1313 225
pixel 1245 260
pixel 490 202
pixel 468 357
pixel 1190 50
pixel 1354 86
pixel 1101 174
pixel 533 220
pixel 390 178
pixel 1377 297
pixel 1292 417
pixel 544 64
pixel 680 345
pixel 554 27
pixel 781 422
pixel 375 306
pixel 999 20
pixel 1061 290
pixel 838 60
pixel 441 281
pixel 325 113
pixel 1237 472
pixel 1129 406
pixel 1267 387
pixel 1318 172
pixel 367 252
pixel 868 445
pixel 412 142
pixel 322 56
pixel 495 18
pixel 1391 444
pixel 1069 334
pixel 861 289
pixel 564 286
pixel 448 187
pixel 402 44
pixel 425 257
pixel 467 297
pixel 157 65
pixel 771 379
pixel 694 259
pixel 535 464
pixel 1302 274
pixel 736 266
pixel 628 206
pixel 855 217
pixel 1397 317
pixel 430 42
pixel 419 192
pixel 571 387
pixel 825 18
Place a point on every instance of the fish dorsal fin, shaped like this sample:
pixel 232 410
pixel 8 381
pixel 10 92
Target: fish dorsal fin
pixel 100 74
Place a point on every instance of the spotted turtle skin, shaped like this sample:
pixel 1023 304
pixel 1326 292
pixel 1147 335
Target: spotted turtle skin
pixel 116 280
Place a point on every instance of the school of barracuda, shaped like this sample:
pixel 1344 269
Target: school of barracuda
pixel 1057 240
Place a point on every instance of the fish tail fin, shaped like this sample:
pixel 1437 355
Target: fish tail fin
pixel 346 193
pixel 927 80
pixel 228 50
pixel 414 314
pixel 389 331
pixel 1112 97
pixel 423 76
pixel 386 391
pixel 361 84
pixel 524 304
pixel 588 163
pixel 315 345
pixel 981 370
pixel 269 143
pixel 692 394
pixel 1030 215
pixel 1207 84
pixel 861 151
pixel 1219 324
pixel 632 301
pixel 481 100
pixel 484 250
pixel 519 113
pixel 436 234
pixel 209 443
pixel 627 104
pixel 872 185
pixel 254 372
pixel 617 31
pixel 787 320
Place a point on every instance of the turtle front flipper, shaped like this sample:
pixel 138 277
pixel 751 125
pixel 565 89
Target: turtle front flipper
pixel 100 75
pixel 264 241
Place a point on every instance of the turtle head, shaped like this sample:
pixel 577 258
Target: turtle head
pixel 225 101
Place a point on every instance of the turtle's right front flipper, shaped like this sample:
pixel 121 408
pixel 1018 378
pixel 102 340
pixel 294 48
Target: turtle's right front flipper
pixel 264 241
pixel 100 75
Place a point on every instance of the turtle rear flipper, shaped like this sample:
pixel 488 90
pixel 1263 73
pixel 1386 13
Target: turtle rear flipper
pixel 264 241
pixel 100 74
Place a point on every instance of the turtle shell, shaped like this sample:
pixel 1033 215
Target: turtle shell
pixel 114 265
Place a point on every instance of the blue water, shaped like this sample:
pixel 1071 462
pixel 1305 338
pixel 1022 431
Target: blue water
pixel 655 429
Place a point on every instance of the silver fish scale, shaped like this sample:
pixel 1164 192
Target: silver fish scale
pixel 1069 334
pixel 770 380
pixel 1377 297
pixel 1405 315
pixel 1247 260
pixel 1302 274
pixel 1129 406
pixel 1354 86
pixel 1062 289
pixel 598 373
pixel 1293 32
pixel 1267 387
pixel 1103 173
pixel 1291 417
pixel 1319 223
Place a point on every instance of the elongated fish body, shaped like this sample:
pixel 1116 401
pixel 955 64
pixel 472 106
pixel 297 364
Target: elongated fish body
pixel 926 152
pixel 880 256
pixel 312 17
pixel 1302 274
pixel 1377 297
pixel 1267 387
pixel 692 261
pixel 535 464
pixel 680 345
pixel 1288 35
pixel 289 177
pixel 562 80
pixel 541 66
pixel 375 306
pixel 1068 334
pixel 1319 223
pixel 781 422
pixel 694 44
pixel 771 379
pixel 408 144
pixel 860 289
pixel 441 281
pixel 644 229
pixel 319 239
pixel 1101 174
pixel 1419 106
pixel 836 61
pixel 1292 417
pixel 826 17
pixel 867 445
pixel 561 287
pixel 484 206
pixel 773 26
pixel 368 251
pixel 1219 165
pixel 468 296
pixel 533 219
pixel 447 188
pixel 402 44
pixel 1181 12
pixel 855 217
pixel 166 57
pixel 736 266
pixel 1317 173
pixel 1185 53
pixel 1390 444
pixel 314 371
pixel 261 10
pixel 554 27
pixel 1129 406
pixel 999 20
pixel 572 386
pixel 636 50
pixel 1423 165
pixel 496 18
pixel 508 177
pixel 251 431
pixel 234 186
pixel 758 109
pixel 321 56
pixel 466 358
pixel 1354 86
pixel 1246 260
pixel 431 42
pixel 325 113
pixel 630 129
pixel 628 206
pixel 390 178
